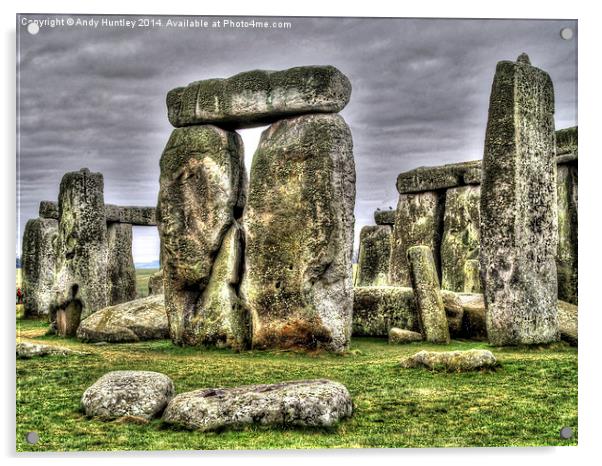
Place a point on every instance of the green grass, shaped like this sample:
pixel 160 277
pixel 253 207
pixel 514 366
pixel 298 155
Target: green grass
pixel 525 402
pixel 142 276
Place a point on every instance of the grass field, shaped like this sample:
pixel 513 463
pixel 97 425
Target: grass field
pixel 525 402
pixel 142 276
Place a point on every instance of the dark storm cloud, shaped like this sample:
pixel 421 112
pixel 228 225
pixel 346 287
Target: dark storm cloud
pixel 95 97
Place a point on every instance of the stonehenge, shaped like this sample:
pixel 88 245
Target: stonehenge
pixel 482 249
pixel 77 256
pixel 295 239
pixel 519 216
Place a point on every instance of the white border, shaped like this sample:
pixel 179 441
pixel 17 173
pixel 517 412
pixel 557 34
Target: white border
pixel 590 389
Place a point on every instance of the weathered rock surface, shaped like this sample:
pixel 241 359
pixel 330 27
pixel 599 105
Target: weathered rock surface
pixel 312 403
pixel 568 322
pixel 49 209
pixel 141 319
pixel 418 221
pixel 427 293
pixel 82 250
pixel 221 319
pixel 26 350
pixel 299 235
pixel 567 254
pixel 121 272
pixel 384 217
pixel 452 361
pixel 474 325
pixel 460 241
pixel 519 224
pixel 134 215
pixel 401 336
pixel 38 260
pixel 116 394
pixel 259 97
pixel 472 276
pixel 374 252
pixel 202 193
pixel 155 283
pixel 439 177
pixel 567 141
pixel 376 309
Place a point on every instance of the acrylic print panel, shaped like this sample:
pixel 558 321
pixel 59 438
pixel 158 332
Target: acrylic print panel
pixel 372 244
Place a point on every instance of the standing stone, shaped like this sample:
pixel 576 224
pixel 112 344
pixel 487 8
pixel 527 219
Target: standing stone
pixel 427 293
pixel 38 259
pixel 202 193
pixel 460 235
pixel 519 225
pixel 373 261
pixel 299 235
pixel 82 250
pixel 155 283
pixel 418 221
pixel 567 257
pixel 121 271
pixel 472 276
pixel 259 97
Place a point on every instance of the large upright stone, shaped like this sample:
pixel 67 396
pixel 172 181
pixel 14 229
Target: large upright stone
pixel 202 193
pixel 519 225
pixel 374 251
pixel 259 97
pixel 38 260
pixel 418 221
pixel 82 250
pixel 121 272
pixel 460 241
pixel 567 257
pixel 429 302
pixel 299 232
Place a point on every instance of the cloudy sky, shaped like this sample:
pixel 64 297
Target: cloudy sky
pixel 95 96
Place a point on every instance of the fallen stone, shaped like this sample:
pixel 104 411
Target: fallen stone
pixel 26 350
pixel 418 221
pixel 155 283
pixel 305 403
pixel 38 260
pixel 373 257
pixel 439 177
pixel 82 251
pixel 427 293
pixel 460 241
pixel 121 272
pixel 474 325
pixel 141 319
pixel 116 394
pixel 568 322
pixel 299 235
pixel 451 361
pixel 384 217
pixel 202 193
pixel 567 253
pixel 402 336
pixel 454 311
pixel 519 222
pixel 259 97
